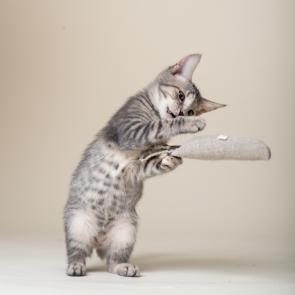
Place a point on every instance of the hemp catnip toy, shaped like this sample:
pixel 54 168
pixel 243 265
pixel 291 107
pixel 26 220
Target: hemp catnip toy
pixel 222 147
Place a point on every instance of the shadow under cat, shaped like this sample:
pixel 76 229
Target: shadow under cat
pixel 175 262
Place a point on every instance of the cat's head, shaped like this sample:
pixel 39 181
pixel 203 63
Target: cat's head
pixel 174 94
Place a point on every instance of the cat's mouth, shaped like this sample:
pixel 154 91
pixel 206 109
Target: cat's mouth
pixel 173 115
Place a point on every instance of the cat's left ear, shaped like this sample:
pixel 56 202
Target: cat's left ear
pixel 186 66
pixel 206 105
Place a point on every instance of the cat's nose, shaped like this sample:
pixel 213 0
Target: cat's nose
pixel 180 113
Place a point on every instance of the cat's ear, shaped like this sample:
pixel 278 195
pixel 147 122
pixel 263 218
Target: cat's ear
pixel 186 66
pixel 206 105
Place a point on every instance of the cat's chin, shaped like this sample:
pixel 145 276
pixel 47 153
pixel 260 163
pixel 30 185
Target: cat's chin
pixel 170 113
pixel 173 115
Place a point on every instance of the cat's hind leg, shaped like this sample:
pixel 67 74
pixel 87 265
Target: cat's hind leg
pixel 80 229
pixel 121 238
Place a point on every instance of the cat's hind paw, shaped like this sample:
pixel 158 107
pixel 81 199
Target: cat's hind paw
pixel 126 270
pixel 76 269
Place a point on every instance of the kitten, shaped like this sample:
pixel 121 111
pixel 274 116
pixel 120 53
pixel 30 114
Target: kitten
pixel 107 184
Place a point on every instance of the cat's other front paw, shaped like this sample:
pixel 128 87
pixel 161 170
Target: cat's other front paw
pixel 169 163
pixel 77 269
pixel 195 124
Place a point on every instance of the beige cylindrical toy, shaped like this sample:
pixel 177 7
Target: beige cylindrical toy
pixel 222 147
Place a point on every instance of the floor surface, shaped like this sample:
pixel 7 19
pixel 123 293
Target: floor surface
pixel 34 266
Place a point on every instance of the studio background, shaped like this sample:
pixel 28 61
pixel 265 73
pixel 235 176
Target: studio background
pixel 67 66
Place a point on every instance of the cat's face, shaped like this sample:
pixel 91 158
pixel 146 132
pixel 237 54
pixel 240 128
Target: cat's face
pixel 176 95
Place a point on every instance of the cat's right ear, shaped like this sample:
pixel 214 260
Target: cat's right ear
pixel 186 66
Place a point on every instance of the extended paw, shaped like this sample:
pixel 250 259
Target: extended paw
pixel 170 162
pixel 76 269
pixel 126 270
pixel 195 124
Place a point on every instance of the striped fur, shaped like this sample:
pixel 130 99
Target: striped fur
pixel 107 184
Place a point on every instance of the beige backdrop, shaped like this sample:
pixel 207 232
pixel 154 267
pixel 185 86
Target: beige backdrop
pixel 66 66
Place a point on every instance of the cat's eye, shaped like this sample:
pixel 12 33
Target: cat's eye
pixel 190 112
pixel 181 95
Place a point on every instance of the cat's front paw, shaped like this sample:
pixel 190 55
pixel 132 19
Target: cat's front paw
pixel 76 269
pixel 169 163
pixel 194 124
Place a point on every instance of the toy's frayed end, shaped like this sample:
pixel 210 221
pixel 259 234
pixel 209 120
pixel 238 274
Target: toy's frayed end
pixel 269 153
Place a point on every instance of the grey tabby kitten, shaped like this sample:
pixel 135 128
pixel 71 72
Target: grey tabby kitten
pixel 107 184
